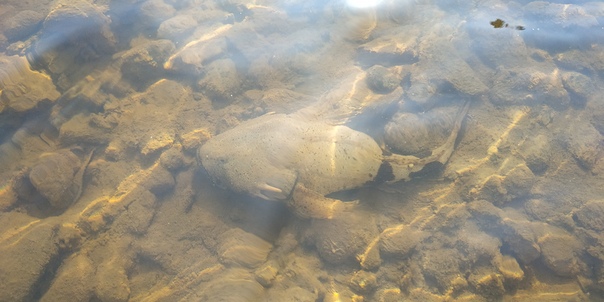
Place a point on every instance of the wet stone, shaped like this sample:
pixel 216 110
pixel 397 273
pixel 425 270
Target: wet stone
pixel 154 12
pixel 537 153
pixel 487 215
pixel 492 189
pixel 382 80
pixel 24 262
pixel 221 81
pixel 21 88
pixel 73 280
pixel 510 270
pixel 244 249
pixel 524 86
pixel 112 282
pixel 560 254
pixel 521 239
pixel 267 273
pixel 341 239
pixel 176 28
pixel 583 60
pixel 597 118
pixel 22 25
pixel 540 209
pixel 559 14
pixel 390 295
pixel 416 134
pixel 591 215
pixel 363 282
pixel 586 148
pixel 138 215
pixel 57 177
pixel 80 129
pixel 579 85
pixel 143 65
pixel 519 182
pixel 401 243
pixel 477 246
pixel 222 288
pixel 160 182
pixel 172 159
pixel 487 283
pixel 441 266
pixel 91 39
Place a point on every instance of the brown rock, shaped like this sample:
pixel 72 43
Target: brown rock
pixel 160 181
pixel 73 281
pixel 172 159
pixel 560 254
pixel 381 79
pixel 78 129
pixel 363 282
pixel 476 245
pixel 21 88
pixel 56 176
pixel 518 182
pixel 242 248
pixel 143 64
pixel 341 239
pixel 221 81
pixel 579 85
pixel 176 28
pixel 400 242
pixel 441 265
pixel 587 148
pixel 221 288
pixel 521 239
pixel 527 86
pixel 138 215
pixel 487 283
pixel 538 150
pixel 24 261
pixel 492 189
pixel 154 12
pixel 591 215
pixel 62 47
pixel 267 273
pixel 112 281
pixel 510 270
pixel 417 134
pixel 22 25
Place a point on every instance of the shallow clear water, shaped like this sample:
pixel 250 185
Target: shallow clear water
pixel 338 163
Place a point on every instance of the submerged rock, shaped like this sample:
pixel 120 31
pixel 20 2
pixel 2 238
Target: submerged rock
pixel 58 177
pixel 341 239
pixel 21 88
pixel 24 262
pixel 73 32
pixel 22 25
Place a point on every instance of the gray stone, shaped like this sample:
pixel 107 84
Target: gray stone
pixel 22 25
pixel 176 28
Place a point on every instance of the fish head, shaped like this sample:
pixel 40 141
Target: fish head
pixel 245 168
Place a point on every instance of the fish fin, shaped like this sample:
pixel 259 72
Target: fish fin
pixel 267 187
pixel 444 152
pixel 307 203
pixel 402 166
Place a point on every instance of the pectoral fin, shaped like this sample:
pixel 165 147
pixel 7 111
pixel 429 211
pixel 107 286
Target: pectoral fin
pixel 278 186
pixel 310 204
